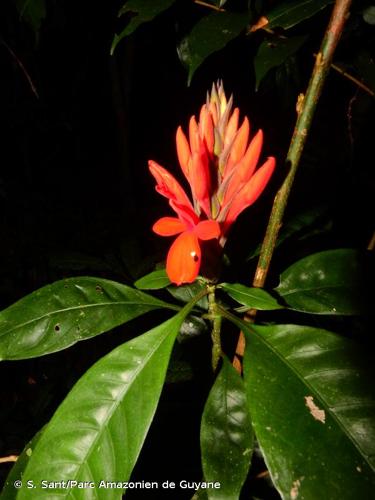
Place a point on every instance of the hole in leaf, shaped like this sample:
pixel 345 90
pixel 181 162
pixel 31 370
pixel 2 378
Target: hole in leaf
pixel 57 328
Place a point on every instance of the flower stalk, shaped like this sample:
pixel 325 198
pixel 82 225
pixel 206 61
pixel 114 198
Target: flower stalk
pixel 215 318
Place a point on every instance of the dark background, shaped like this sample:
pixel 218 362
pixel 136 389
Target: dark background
pixel 76 197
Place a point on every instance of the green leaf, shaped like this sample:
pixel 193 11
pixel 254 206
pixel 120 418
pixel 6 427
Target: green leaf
pixel 98 431
pixel 59 315
pixel 209 35
pixel 143 11
pixel 253 298
pixel 185 293
pixel 33 12
pixel 153 281
pixel 288 14
pixel 324 283
pixel 368 15
pixel 312 407
pixel 226 435
pixel 9 491
pixel 274 53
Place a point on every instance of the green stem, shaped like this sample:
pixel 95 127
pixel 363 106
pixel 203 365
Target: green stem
pixel 306 108
pixel 216 327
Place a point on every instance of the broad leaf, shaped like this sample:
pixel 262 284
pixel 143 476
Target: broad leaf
pixel 209 35
pixel 312 407
pixel 142 11
pixel 324 283
pixel 253 298
pixel 153 281
pixel 226 435
pixel 288 14
pixel 59 315
pixel 98 431
pixel 274 53
pixel 185 293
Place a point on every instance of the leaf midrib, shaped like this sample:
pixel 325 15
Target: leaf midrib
pixel 116 403
pixel 284 360
pixel 87 306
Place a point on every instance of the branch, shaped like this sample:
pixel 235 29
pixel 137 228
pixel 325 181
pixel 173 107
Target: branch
pixel 306 106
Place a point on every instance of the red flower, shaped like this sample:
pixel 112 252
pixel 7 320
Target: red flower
pixel 219 164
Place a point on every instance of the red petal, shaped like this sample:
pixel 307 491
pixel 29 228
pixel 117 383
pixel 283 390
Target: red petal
pixel 207 229
pixel 245 168
pixel 194 138
pixel 168 186
pixel 251 191
pixel 183 152
pixel 239 144
pixel 169 226
pixel 206 129
pixel 184 258
pixel 200 179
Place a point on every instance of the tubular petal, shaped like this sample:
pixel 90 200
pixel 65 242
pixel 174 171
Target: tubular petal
pixel 184 258
pixel 206 129
pixel 183 152
pixel 231 127
pixel 251 191
pixel 207 229
pixel 169 226
pixel 240 143
pixel 245 168
pixel 200 179
pixel 168 186
pixel 194 138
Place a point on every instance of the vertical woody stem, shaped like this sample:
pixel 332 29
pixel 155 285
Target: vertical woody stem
pixel 306 106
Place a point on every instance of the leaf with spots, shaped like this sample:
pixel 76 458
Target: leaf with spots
pixel 226 431
pixel 312 407
pixel 59 315
pixel 330 282
pixel 98 431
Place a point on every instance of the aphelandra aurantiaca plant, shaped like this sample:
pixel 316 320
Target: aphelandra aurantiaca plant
pixel 219 163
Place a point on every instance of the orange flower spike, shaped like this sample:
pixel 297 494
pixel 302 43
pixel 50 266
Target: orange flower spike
pixel 183 152
pixel 245 169
pixel 184 258
pixel 250 191
pixel 239 146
